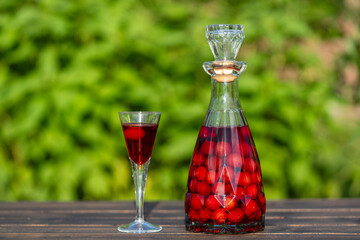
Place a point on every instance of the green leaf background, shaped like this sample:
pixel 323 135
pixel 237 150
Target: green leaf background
pixel 68 67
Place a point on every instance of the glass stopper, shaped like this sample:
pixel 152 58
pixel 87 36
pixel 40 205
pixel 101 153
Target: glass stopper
pixel 225 40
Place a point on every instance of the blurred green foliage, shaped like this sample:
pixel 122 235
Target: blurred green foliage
pixel 67 68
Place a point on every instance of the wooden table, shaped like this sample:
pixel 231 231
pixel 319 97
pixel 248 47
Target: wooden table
pixel 285 219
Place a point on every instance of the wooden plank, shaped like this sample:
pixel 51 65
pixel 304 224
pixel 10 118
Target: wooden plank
pixel 295 219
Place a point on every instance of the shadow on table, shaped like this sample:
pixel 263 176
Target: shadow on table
pixel 149 207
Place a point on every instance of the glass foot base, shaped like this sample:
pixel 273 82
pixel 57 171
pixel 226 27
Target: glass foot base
pixel 139 227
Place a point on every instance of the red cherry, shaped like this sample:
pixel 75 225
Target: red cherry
pixel 220 163
pixel 226 174
pixel 203 188
pixel 204 132
pixel 193 215
pixel 236 148
pixel 198 159
pixel 258 215
pixel 255 178
pixel 251 208
pixel 219 188
pixel 240 193
pixel 243 179
pixel 250 165
pixel 245 149
pixel 219 215
pixel 196 202
pixel 230 202
pixel 235 160
pixel 134 133
pixel 193 185
pixel 204 215
pixel 212 203
pixel 211 177
pixel 200 173
pixel 244 131
pixel 208 147
pixel 192 171
pixel 236 215
pixel 212 163
pixel 213 133
pixel 229 189
pixel 252 191
pixel 216 163
pixel 223 149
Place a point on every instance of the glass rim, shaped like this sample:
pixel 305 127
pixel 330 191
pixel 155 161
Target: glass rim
pixel 137 112
pixel 224 27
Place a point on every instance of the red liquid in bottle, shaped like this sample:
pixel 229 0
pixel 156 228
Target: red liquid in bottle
pixel 140 138
pixel 225 188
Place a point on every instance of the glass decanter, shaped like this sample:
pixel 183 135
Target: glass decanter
pixel 225 192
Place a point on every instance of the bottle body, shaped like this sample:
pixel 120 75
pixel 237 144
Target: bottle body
pixel 225 192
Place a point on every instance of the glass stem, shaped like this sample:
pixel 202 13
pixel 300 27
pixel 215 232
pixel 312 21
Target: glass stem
pixel 139 173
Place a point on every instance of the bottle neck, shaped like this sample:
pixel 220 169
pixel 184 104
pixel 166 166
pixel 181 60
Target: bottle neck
pixel 224 95
pixel 224 108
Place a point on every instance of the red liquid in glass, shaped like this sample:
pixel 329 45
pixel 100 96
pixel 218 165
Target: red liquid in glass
pixel 225 188
pixel 140 138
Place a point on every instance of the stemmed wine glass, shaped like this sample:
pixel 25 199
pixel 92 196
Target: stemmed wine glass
pixel 139 131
